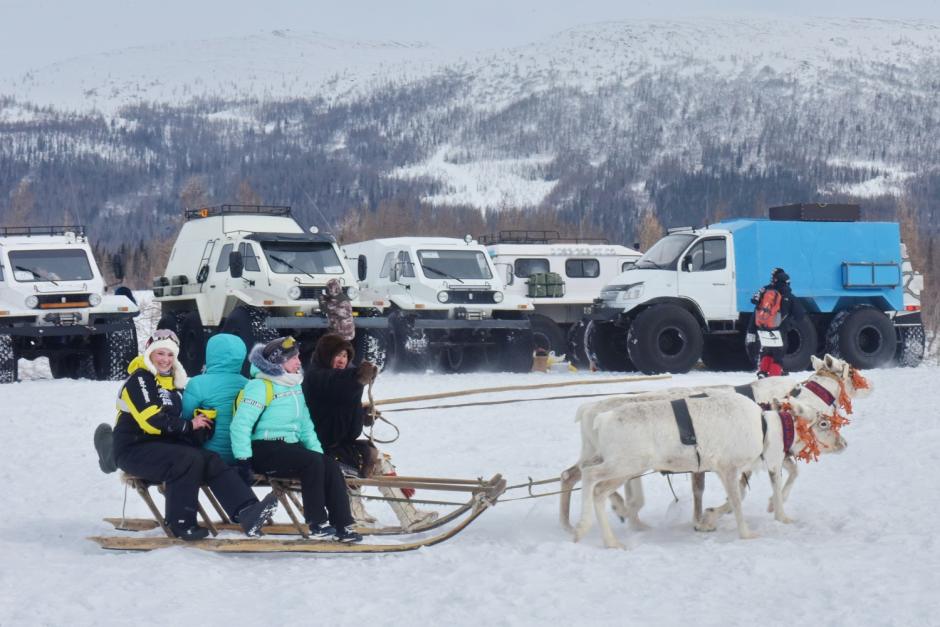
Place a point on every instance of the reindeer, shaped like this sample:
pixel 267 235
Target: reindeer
pixel 832 386
pixel 732 435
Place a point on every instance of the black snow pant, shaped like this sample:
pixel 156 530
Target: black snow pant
pixel 322 486
pixel 184 468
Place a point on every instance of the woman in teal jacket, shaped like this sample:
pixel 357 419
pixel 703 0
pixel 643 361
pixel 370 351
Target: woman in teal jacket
pixel 272 434
pixel 216 389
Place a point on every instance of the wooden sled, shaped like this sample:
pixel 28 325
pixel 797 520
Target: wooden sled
pixel 483 494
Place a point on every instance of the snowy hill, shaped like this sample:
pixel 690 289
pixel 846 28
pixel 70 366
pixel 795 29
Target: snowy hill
pixel 691 119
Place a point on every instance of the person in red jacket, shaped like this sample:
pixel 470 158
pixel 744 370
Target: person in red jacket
pixel 775 310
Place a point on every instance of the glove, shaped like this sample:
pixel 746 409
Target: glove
pixel 366 373
pixel 243 467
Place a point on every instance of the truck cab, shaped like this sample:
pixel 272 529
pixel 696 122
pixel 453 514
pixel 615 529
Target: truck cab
pixel 253 271
pixel 54 303
pixel 448 303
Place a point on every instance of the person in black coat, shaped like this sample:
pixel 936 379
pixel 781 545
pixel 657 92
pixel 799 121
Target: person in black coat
pixel 333 392
pixel 770 362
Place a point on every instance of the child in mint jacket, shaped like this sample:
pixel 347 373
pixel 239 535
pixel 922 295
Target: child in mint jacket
pixel 273 435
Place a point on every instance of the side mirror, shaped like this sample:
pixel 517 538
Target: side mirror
pixel 393 273
pixel 117 266
pixel 687 263
pixel 362 267
pixel 236 264
pixel 509 275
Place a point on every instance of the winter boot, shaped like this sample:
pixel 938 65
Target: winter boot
pixel 190 534
pixel 358 508
pixel 408 515
pixel 104 444
pixel 322 531
pixel 347 535
pixel 254 517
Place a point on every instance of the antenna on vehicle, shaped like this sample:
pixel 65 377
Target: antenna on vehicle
pixel 326 222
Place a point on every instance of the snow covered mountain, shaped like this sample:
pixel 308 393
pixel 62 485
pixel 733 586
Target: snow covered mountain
pixel 602 121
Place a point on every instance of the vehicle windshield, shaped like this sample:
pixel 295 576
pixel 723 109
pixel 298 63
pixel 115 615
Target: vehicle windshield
pixel 454 264
pixel 301 258
pixel 50 265
pixel 665 253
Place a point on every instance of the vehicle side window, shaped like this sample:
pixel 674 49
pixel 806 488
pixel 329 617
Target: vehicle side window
pixel 708 255
pixel 251 259
pixel 627 265
pixel 525 268
pixel 222 264
pixel 582 268
pixel 386 265
pixel 407 268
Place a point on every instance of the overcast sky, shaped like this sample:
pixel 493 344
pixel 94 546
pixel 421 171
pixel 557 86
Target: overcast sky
pixel 34 33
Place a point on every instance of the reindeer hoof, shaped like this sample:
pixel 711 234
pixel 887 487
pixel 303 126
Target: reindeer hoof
pixel 748 535
pixel 639 525
pixel 784 519
pixel 704 526
pixel 615 545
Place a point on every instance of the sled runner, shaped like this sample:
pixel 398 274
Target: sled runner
pixel 483 494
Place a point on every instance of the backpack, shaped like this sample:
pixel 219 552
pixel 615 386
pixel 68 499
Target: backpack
pixel 268 396
pixel 767 315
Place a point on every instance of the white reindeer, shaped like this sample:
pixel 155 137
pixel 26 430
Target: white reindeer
pixel 637 437
pixel 832 380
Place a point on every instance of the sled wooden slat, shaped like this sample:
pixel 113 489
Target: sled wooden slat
pixel 481 502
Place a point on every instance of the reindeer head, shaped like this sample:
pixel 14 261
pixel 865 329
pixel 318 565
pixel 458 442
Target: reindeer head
pixel 817 433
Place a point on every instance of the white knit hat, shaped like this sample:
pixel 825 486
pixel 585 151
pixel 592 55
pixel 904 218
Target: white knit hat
pixel 166 339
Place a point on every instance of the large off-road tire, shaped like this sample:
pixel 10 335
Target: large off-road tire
pixel 605 345
pixel 8 360
pixel 575 345
pixel 802 342
pixel 372 345
pixel 912 346
pixel 665 338
pixel 113 352
pixel 725 353
pixel 548 335
pixel 516 351
pixel 408 349
pixel 863 336
pixel 192 337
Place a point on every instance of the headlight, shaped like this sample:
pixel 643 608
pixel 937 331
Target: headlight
pixel 32 302
pixel 353 292
pixel 633 292
pixel 94 300
pixel 443 297
pixel 497 297
pixel 293 292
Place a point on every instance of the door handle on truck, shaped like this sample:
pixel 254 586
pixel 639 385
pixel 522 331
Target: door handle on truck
pixel 719 284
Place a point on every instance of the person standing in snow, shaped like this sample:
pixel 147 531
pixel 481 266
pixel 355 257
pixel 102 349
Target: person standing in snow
pixel 153 441
pixel 272 434
pixel 213 392
pixel 775 311
pixel 333 393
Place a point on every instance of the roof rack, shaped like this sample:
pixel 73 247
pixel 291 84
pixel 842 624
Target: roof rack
pixel 29 231
pixel 514 236
pixel 221 210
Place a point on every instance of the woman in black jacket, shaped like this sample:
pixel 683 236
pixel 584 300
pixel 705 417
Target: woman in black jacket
pixel 153 441
pixel 333 392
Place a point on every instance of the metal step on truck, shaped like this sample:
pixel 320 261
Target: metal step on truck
pixel 253 271
pixel 560 276
pixel 448 305
pixel 54 303
pixel 689 296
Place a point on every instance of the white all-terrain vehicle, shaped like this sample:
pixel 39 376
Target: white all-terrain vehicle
pixel 54 303
pixel 253 271
pixel 560 277
pixel 448 304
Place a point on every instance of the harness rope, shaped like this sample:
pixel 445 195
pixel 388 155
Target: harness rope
pixel 374 414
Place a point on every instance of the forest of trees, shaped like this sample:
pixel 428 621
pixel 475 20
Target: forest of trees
pixel 626 160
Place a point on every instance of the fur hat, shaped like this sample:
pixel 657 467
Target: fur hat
pixel 269 358
pixel 779 275
pixel 328 346
pixel 165 339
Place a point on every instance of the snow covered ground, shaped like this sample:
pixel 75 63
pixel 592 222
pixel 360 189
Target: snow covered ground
pixel 863 549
